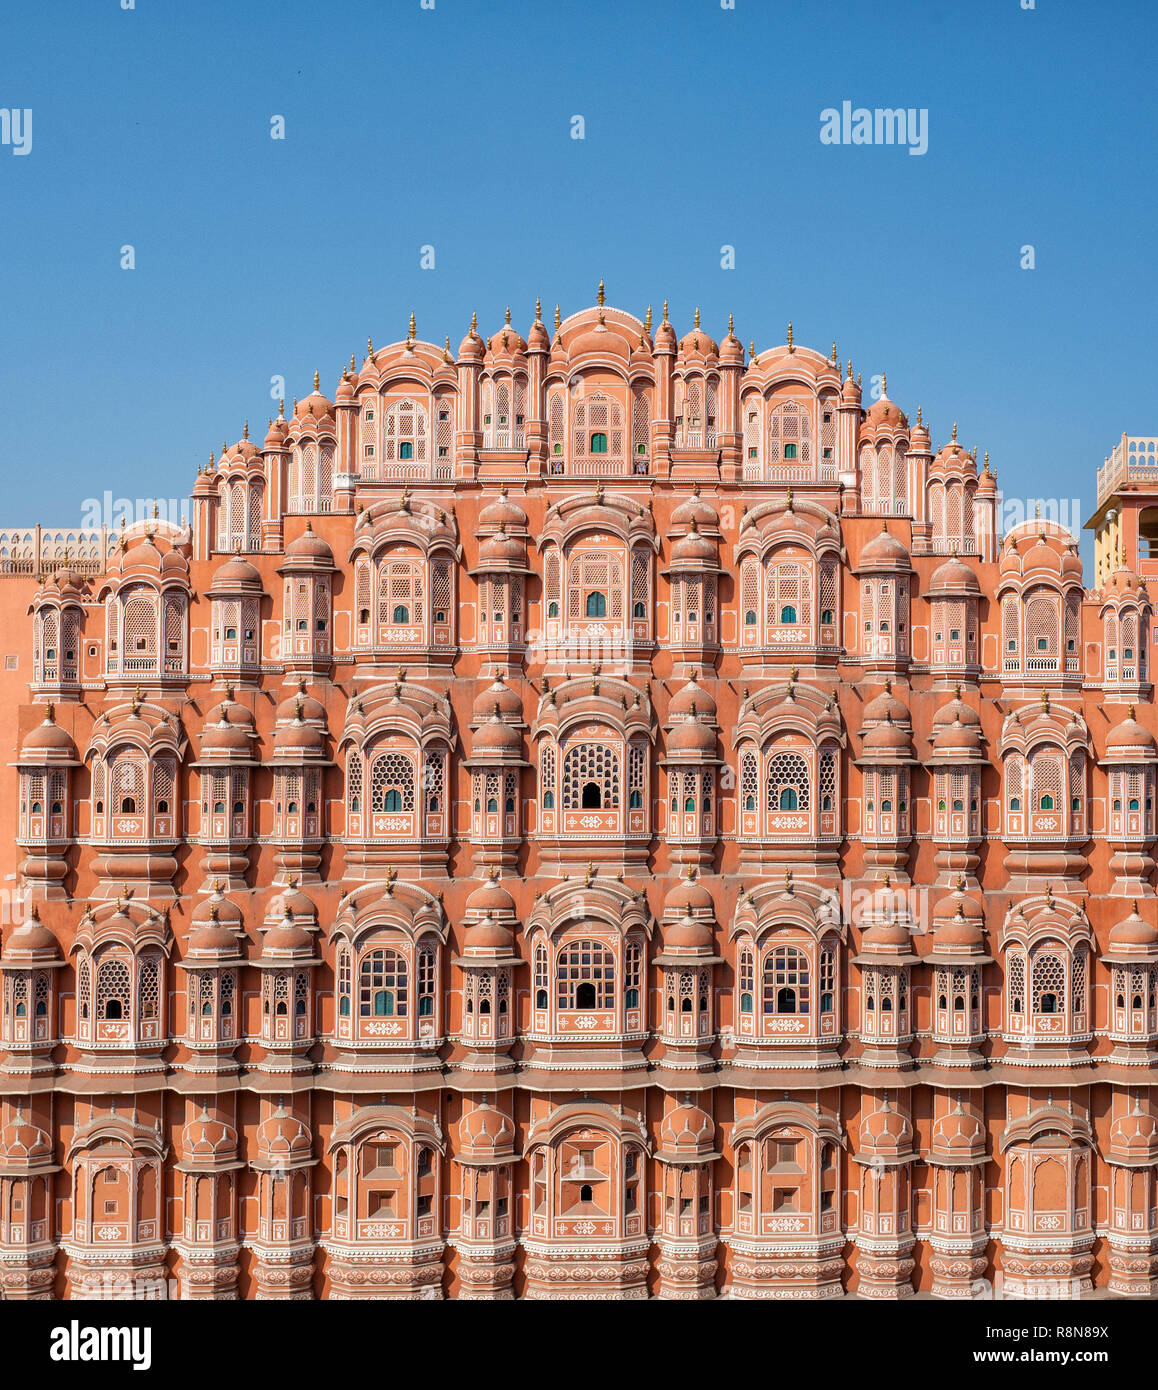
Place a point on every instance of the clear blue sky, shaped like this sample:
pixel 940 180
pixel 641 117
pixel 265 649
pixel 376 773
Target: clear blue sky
pixel 257 257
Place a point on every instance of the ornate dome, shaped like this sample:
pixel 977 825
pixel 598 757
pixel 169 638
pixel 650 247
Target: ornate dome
pixel 281 1135
pixel 309 548
pixel 951 578
pixel 1133 931
pixel 688 896
pixel 486 1133
pixel 687 1131
pixel 688 936
pixel 48 742
pixel 205 1139
pixel 959 1134
pixel 493 736
pixel 886 1132
pixel 500 512
pixel 490 896
pixel 692 696
pixel 23 1142
pixel 885 552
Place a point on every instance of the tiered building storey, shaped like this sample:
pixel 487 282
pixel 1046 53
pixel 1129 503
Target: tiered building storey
pixel 598 815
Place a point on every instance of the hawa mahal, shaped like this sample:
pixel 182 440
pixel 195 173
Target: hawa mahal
pixel 602 814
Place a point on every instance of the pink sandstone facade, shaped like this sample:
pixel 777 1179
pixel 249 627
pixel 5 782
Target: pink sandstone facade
pixel 597 815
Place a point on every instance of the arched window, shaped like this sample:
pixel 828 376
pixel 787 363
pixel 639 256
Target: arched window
pixel 391 782
pixel 585 976
pixel 590 769
pixel 596 606
pixel 382 985
pixel 786 981
pixel 788 772
pixel 113 990
pixel 599 442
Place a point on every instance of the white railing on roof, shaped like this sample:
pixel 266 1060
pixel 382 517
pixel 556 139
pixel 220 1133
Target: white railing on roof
pixel 1134 459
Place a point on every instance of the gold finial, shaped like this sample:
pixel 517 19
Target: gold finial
pixel 918 415
pixel 987 460
pixel 446 350
pixel 731 326
pixel 665 311
pixel 752 350
pixel 834 357
pixel 413 326
pixel 281 409
pixel 317 381
pixel 538 310
pixel 1045 702
pixel 558 318
pixel 858 381
pixel 647 321
pixel 245 431
pixel 351 364
pixel 884 385
pixel 589 875
pixel 850 369
pixel 473 324
pixel 600 297
pixel 789 502
pixel 696 317
pixel 370 348
pixel 1130 711
pixel 507 320
pixel 791 348
pixel 954 431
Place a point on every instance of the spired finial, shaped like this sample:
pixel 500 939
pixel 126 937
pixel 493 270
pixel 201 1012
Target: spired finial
pixel 245 431
pixel 918 415
pixel 696 317
pixel 507 320
pixel 850 369
pixel 647 321
pixel 351 364
pixel 731 326
pixel 884 385
pixel 413 327
pixel 954 431
pixel 281 409
pixel 791 348
pixel 665 311
pixel 317 381
pixel 834 357
pixel 600 297
pixel 538 310
pixel 473 324
pixel 1045 702
pixel 752 350
pixel 558 318
pixel 446 350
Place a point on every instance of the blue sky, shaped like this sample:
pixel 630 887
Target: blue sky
pixel 451 126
